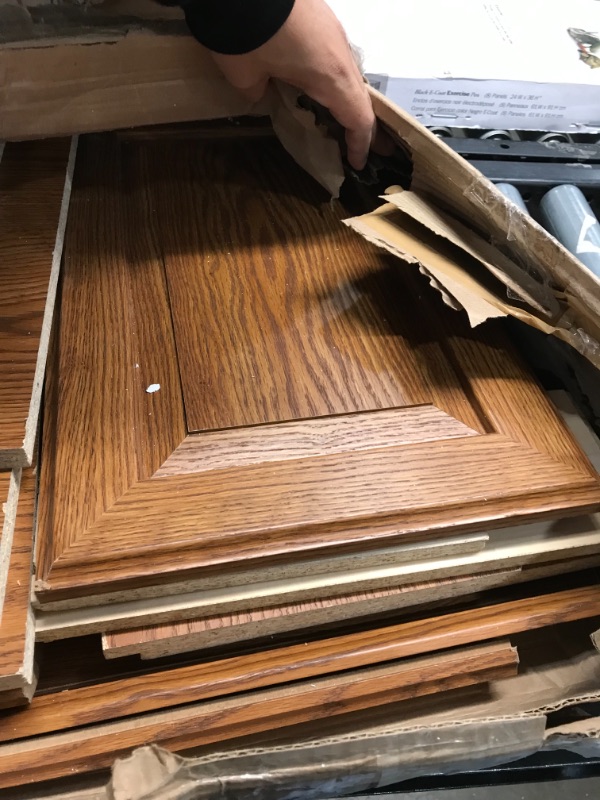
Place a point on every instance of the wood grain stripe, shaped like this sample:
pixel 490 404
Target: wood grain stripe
pixel 307 439
pixel 298 662
pixel 221 719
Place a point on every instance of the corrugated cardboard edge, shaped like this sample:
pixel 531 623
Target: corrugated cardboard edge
pixel 581 737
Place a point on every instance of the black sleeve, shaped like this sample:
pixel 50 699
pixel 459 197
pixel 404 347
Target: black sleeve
pixel 235 26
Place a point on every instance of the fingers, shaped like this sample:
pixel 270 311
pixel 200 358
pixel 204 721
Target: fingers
pixel 347 98
pixel 382 143
pixel 255 92
pixel 243 75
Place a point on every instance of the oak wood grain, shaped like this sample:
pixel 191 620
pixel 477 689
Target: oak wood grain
pixel 307 439
pixel 111 520
pixel 301 661
pixel 17 628
pixel 41 757
pixel 34 196
pixel 279 312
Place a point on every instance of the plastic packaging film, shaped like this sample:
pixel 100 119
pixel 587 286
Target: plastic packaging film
pixel 333 768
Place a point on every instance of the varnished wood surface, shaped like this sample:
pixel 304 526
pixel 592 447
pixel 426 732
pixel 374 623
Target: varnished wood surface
pixel 281 313
pixel 299 662
pixel 310 438
pixel 94 746
pixel 112 520
pixel 17 629
pixel 32 185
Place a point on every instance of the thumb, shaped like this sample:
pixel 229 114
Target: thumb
pixel 243 76
pixel 255 92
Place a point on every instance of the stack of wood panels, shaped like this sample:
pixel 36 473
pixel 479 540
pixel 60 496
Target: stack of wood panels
pixel 266 443
pixel 35 185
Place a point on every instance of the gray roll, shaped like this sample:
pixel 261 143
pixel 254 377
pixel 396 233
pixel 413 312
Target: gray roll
pixel 508 190
pixel 567 215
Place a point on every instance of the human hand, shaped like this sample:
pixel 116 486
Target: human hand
pixel 311 52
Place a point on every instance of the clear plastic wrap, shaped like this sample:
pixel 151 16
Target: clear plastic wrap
pixel 333 767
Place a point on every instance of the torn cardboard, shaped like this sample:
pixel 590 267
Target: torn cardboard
pixel 92 72
pixel 468 271
pixel 449 183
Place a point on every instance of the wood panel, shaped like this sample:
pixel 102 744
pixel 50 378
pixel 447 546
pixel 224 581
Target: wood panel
pixel 196 634
pixel 35 183
pixel 278 313
pixel 163 689
pixel 111 519
pixel 298 662
pixel 548 542
pixel 42 757
pixel 17 629
pixel 158 641
pixel 97 745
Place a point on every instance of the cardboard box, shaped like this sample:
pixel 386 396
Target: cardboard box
pixel 506 64
pixel 128 62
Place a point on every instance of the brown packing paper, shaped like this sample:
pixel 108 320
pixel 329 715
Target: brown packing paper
pixel 382 227
pixel 473 291
pixel 517 281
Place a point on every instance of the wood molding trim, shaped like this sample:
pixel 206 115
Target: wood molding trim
pixel 96 746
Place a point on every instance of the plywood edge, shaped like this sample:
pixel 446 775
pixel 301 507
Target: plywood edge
pixel 8 528
pixel 18 672
pixel 158 641
pixel 204 633
pixel 31 424
pixel 300 569
pixel 74 622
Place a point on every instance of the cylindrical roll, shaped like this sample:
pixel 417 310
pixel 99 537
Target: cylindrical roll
pixel 508 190
pixel 567 215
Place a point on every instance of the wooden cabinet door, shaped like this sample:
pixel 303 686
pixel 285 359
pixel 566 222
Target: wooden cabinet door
pixel 236 378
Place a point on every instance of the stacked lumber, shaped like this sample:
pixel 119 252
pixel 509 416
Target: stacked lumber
pixel 278 480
